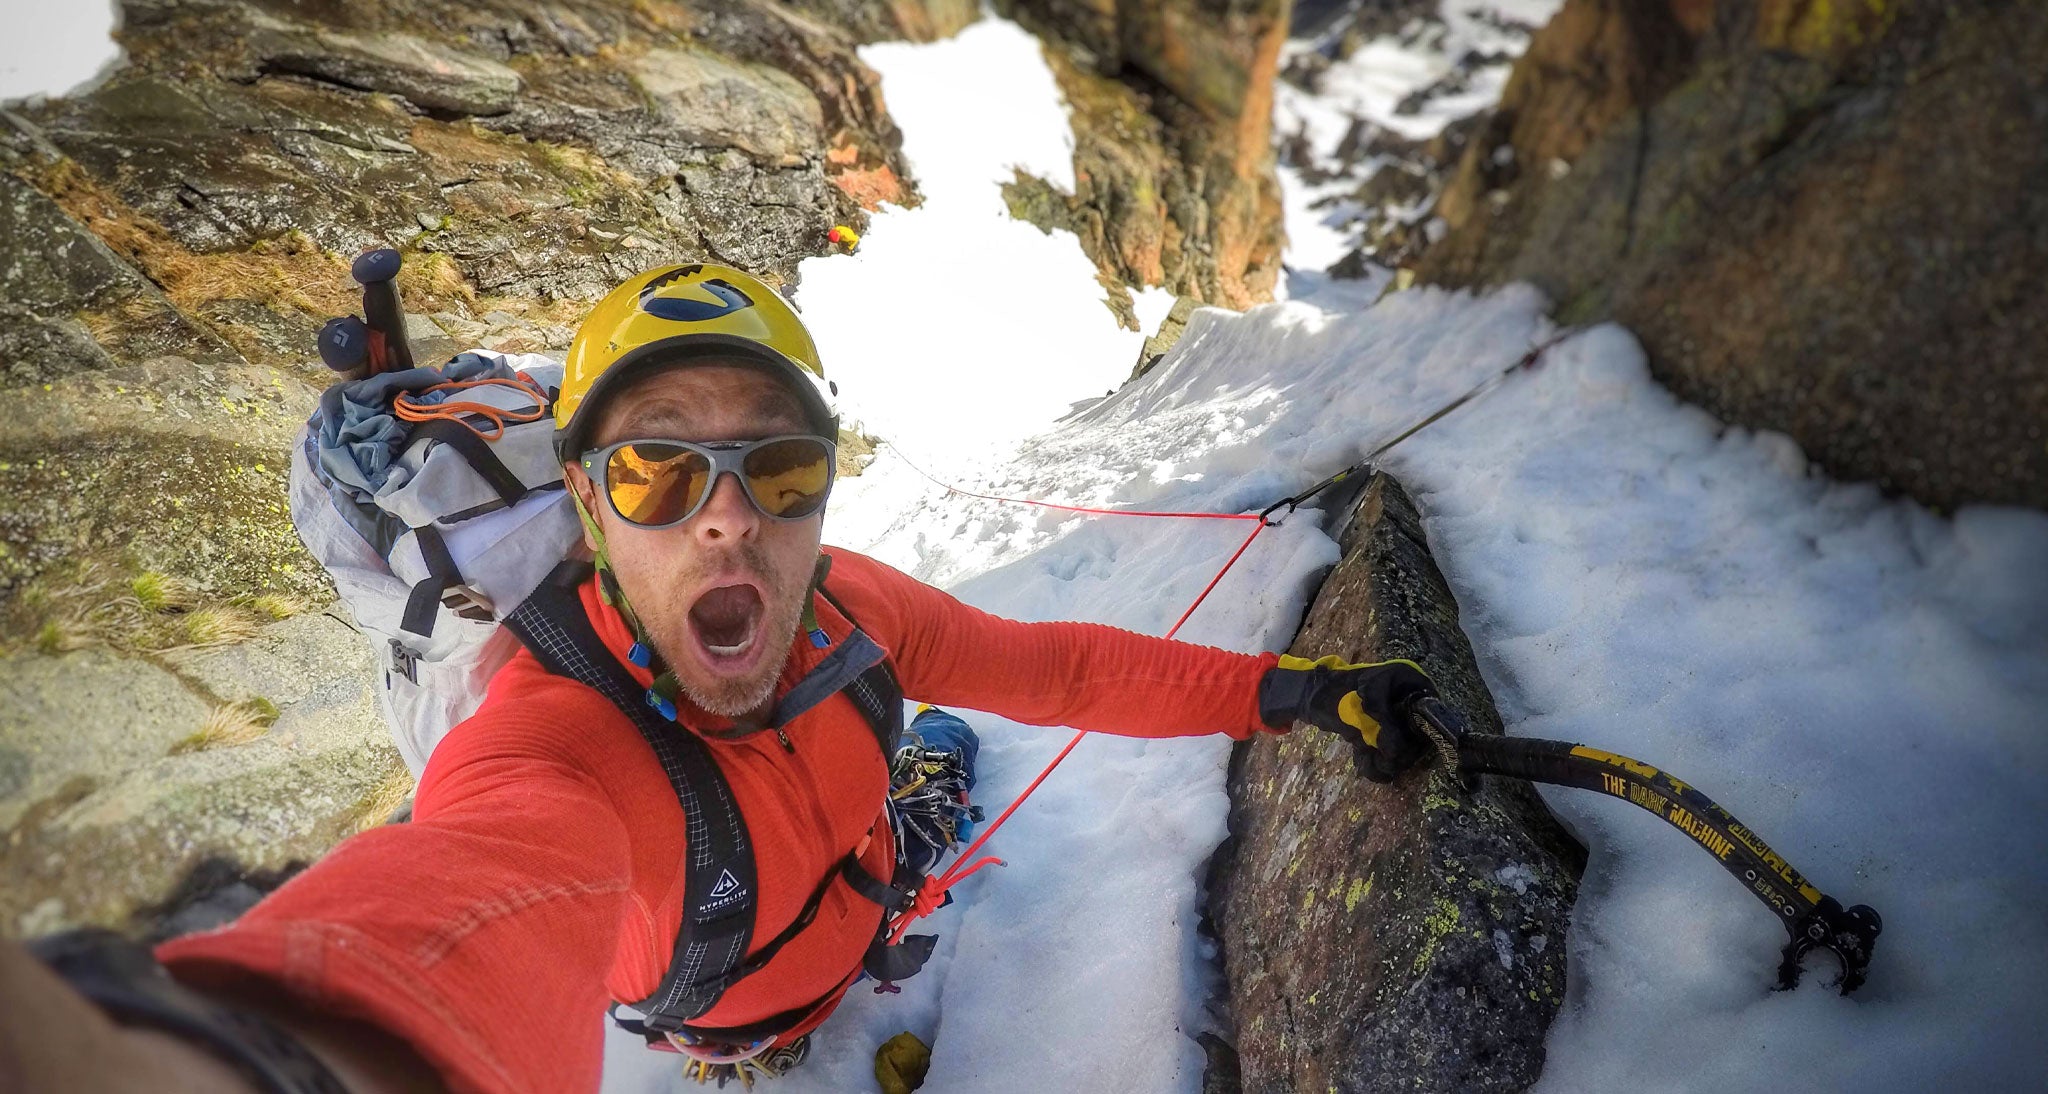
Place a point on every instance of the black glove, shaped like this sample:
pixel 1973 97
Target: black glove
pixel 1360 703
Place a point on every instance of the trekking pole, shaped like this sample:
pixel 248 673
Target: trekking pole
pixel 377 272
pixel 356 348
pixel 1814 920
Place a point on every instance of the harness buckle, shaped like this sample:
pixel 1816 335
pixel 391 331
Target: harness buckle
pixel 404 661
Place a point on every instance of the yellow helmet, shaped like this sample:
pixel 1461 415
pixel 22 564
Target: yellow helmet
pixel 675 313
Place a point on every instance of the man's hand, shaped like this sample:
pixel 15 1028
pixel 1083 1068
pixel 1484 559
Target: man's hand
pixel 1360 703
pixel 52 1038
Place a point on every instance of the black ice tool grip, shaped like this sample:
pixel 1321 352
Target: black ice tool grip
pixel 376 271
pixel 1814 920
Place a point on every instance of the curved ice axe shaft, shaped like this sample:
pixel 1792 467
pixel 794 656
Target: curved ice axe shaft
pixel 1813 919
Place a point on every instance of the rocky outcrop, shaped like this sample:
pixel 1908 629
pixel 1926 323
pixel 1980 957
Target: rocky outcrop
pixel 1822 219
pixel 1408 937
pixel 892 20
pixel 1172 112
pixel 1381 176
pixel 121 776
pixel 175 237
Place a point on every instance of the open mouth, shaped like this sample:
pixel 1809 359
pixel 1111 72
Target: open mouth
pixel 726 621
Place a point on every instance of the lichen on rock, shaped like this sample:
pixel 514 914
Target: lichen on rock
pixel 1407 937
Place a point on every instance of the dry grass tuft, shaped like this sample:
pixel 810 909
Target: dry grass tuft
pixel 230 724
pixel 214 626
pixel 432 282
pixel 100 603
pixel 287 273
pixel 381 802
pixel 276 606
pixel 129 233
pixel 60 636
pixel 154 593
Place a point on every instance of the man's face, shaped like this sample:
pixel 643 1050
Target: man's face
pixel 722 593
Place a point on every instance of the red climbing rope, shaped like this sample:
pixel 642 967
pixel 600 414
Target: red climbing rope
pixel 951 489
pixel 933 893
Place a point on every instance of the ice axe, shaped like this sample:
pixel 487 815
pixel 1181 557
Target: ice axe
pixel 356 348
pixel 1814 920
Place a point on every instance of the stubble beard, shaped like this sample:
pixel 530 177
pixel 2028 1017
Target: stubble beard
pixel 781 607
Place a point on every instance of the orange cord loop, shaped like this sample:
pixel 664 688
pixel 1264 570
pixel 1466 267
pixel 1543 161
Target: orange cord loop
pixel 408 408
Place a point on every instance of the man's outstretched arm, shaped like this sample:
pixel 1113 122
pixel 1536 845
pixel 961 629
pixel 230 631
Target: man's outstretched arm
pixel 1108 680
pixel 475 938
pixel 1083 675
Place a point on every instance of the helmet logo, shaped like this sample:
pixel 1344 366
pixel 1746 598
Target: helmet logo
pixel 685 310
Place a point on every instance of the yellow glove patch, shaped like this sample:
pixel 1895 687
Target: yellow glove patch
pixel 1352 709
pixel 1302 664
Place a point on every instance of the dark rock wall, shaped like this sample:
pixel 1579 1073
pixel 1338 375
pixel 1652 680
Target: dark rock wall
pixel 1824 219
pixel 1389 938
pixel 1172 110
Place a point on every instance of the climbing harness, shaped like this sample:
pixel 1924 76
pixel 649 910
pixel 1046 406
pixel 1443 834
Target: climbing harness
pixel 930 780
pixel 1814 920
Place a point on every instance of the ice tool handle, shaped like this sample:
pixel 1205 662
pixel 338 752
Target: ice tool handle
pixel 377 272
pixel 1814 920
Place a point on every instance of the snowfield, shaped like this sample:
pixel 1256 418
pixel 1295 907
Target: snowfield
pixel 1860 680
pixel 56 48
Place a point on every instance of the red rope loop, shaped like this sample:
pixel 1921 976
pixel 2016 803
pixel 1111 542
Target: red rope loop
pixel 933 893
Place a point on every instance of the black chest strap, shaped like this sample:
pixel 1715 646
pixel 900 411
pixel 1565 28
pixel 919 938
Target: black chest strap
pixel 719 876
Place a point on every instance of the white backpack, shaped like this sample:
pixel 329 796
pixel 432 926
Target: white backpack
pixel 434 531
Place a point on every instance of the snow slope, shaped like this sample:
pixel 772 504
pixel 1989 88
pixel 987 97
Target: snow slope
pixel 1859 680
pixel 55 48
pixel 955 324
pixel 1411 85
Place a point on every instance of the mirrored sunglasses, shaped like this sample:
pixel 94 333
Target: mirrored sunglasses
pixel 658 483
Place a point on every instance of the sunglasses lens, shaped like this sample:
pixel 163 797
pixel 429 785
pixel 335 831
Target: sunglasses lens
pixel 655 483
pixel 789 478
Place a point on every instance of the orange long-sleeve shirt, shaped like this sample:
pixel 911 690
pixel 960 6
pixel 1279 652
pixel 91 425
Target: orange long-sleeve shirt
pixel 540 876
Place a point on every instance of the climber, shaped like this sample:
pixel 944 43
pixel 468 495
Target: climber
pixel 710 668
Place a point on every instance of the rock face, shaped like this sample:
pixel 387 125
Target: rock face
pixel 1824 219
pixel 174 238
pixel 1389 938
pixel 1172 110
pixel 110 795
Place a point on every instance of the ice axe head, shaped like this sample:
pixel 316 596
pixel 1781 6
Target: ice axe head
pixel 1444 728
pixel 1848 933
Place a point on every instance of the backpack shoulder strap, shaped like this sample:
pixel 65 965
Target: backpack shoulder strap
pixel 875 691
pixel 719 876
